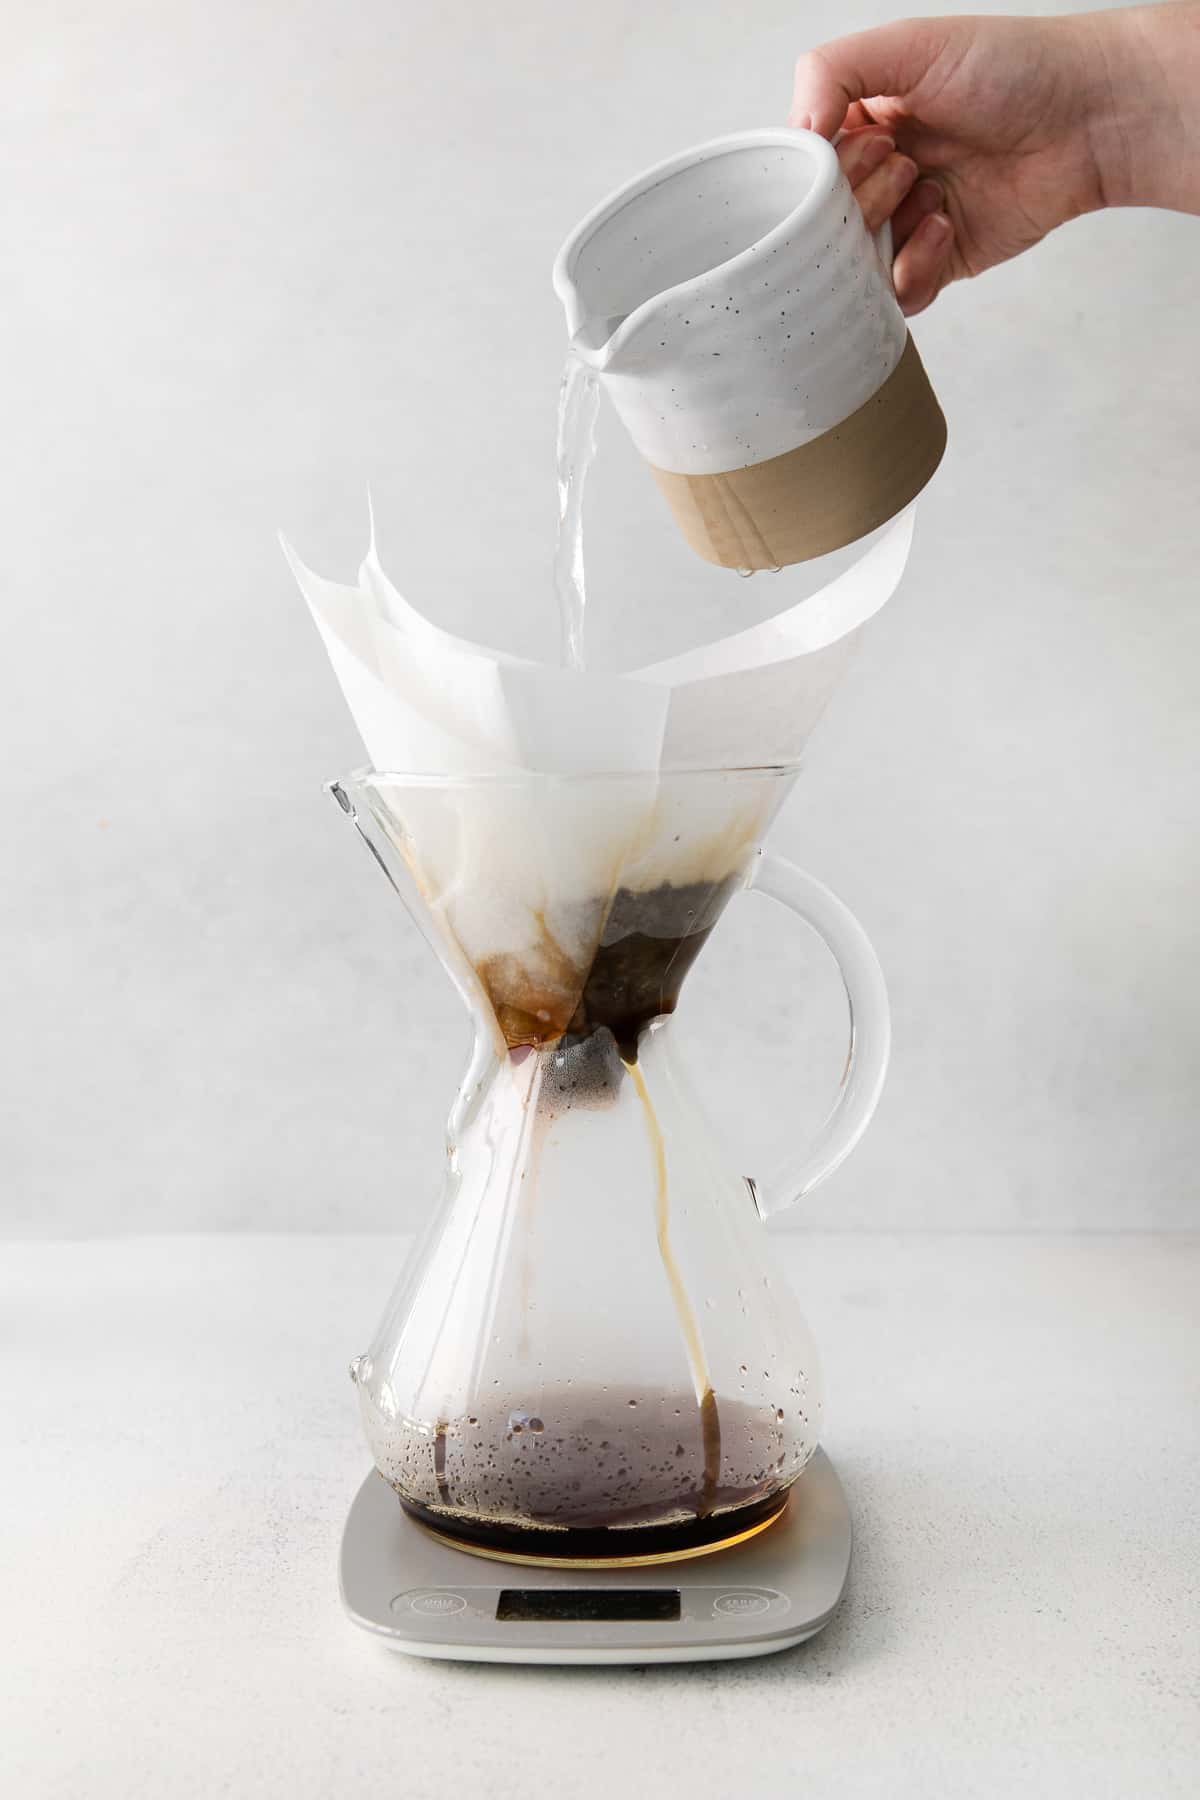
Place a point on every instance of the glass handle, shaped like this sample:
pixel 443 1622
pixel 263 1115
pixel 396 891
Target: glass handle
pixel 870 1030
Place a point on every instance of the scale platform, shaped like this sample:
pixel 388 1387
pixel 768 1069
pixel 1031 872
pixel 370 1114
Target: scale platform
pixel 419 1594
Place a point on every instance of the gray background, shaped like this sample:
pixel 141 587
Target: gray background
pixel 257 255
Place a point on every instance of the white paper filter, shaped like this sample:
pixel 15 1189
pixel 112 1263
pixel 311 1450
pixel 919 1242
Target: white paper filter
pixel 520 867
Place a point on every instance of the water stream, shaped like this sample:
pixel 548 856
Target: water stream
pixel 578 406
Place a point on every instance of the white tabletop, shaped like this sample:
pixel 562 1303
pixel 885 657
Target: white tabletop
pixel 1014 1417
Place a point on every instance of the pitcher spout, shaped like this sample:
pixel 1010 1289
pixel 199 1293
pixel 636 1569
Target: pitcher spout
pixel 595 341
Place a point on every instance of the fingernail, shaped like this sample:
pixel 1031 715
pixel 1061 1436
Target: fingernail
pixel 903 168
pixel 936 228
pixel 929 196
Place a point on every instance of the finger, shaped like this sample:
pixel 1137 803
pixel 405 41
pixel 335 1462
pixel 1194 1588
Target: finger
pixel 858 117
pixel 927 197
pixel 922 268
pixel 887 61
pixel 862 152
pixel 881 193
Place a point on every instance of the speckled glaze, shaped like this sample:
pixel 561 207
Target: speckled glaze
pixel 732 301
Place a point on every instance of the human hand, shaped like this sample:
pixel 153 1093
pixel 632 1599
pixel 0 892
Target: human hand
pixel 887 185
pixel 981 135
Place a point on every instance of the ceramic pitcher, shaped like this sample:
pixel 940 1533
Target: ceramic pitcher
pixel 742 320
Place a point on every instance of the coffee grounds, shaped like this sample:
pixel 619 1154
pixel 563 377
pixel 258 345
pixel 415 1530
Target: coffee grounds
pixel 649 942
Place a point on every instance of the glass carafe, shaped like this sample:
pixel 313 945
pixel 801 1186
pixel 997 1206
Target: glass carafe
pixel 591 1356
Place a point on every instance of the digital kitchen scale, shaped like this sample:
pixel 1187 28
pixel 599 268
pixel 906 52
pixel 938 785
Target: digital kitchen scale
pixel 418 1593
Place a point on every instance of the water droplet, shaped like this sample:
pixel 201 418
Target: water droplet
pixel 745 574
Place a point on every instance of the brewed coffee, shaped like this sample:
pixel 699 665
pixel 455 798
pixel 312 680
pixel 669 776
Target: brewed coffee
pixel 598 1473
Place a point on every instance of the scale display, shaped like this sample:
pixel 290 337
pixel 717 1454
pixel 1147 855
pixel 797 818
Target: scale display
pixel 589 1603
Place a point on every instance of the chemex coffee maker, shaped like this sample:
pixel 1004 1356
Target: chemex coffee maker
pixel 593 1405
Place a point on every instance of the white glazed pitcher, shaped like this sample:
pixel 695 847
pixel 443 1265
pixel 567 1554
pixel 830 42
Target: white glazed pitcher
pixel 744 324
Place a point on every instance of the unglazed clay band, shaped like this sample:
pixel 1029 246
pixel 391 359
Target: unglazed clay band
pixel 823 494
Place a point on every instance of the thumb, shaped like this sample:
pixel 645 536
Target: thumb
pixel 888 62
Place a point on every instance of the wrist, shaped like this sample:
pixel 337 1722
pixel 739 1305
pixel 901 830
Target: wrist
pixel 1142 104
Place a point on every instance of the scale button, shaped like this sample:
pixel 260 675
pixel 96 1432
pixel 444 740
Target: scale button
pixel 433 1603
pixel 741 1603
